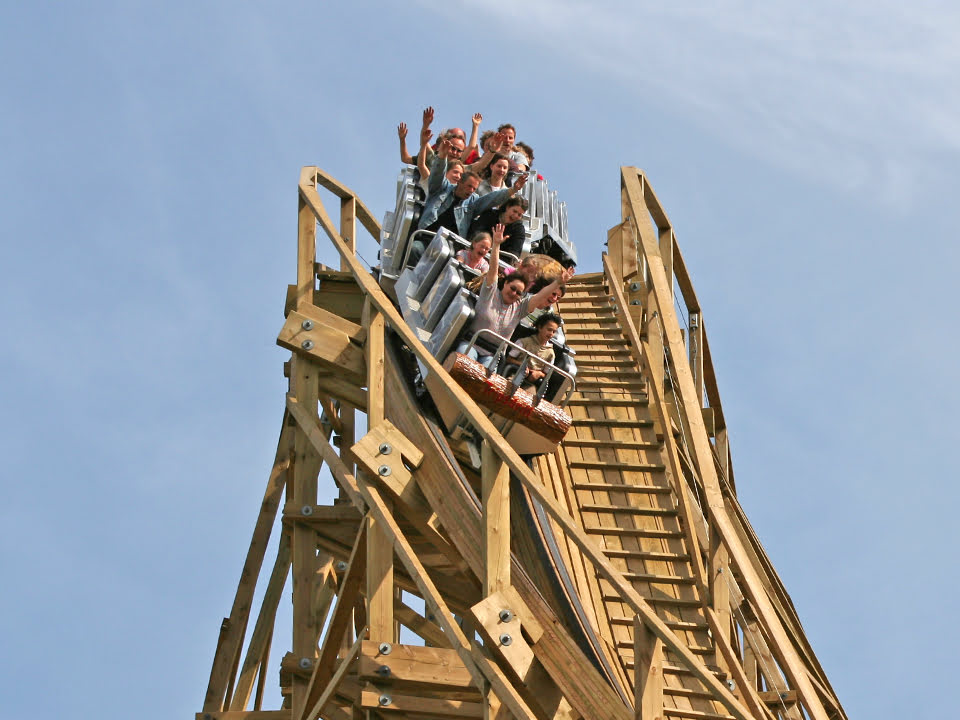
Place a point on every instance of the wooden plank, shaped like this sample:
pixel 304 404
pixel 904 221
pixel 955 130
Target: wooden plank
pixel 329 346
pixel 415 622
pixel 263 629
pixel 379 582
pixel 348 224
pixel 334 683
pixel 306 466
pixel 386 702
pixel 349 591
pixel 648 669
pixel 243 715
pixel 375 345
pixel 233 627
pixel 347 392
pixel 428 668
pixel 495 478
pixel 306 244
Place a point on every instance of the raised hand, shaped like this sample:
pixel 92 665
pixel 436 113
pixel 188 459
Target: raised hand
pixel 425 136
pixel 567 274
pixel 498 142
pixel 428 117
pixel 477 119
pixel 402 131
pixel 498 237
pixel 519 183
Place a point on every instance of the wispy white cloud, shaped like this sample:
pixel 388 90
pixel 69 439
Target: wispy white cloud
pixel 862 93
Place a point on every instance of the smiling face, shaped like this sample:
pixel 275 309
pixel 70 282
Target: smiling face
pixel 455 173
pixel 481 246
pixel 513 290
pixel 456 148
pixel 547 331
pixel 498 171
pixel 512 214
pixel 511 136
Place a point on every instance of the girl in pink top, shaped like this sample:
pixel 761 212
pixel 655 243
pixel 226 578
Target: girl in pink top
pixel 476 256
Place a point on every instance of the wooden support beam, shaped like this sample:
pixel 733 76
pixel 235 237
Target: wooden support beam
pixel 306 244
pixel 314 712
pixel 325 344
pixel 349 592
pixel 495 478
pixel 416 623
pixel 386 702
pixel 263 629
pixel 233 627
pixel 348 225
pixel 306 466
pixel 648 669
pixel 379 582
pixel 374 359
pixel 409 667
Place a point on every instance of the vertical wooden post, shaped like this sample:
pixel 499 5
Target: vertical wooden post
pixel 648 669
pixel 719 587
pixel 380 588
pixel 348 226
pixel 306 244
pixel 495 477
pixel 666 253
pixel 695 352
pixel 306 465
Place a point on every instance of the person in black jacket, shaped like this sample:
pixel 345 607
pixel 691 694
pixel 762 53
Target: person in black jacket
pixel 510 214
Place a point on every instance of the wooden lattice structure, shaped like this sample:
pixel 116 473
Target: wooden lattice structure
pixel 617 578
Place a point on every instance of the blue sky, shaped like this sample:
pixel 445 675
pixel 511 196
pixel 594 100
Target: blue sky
pixel 806 155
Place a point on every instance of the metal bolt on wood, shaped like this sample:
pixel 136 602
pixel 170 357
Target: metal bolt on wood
pixel 384 648
pixel 307 344
pixel 505 639
pixel 383 470
pixel 506 615
pixel 307 324
pixel 385 449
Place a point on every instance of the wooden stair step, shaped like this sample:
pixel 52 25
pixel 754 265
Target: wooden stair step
pixel 695 649
pixel 671 669
pixel 688 692
pixel 589 352
pixel 615 554
pixel 599 332
pixel 672 624
pixel 613 422
pixel 629 510
pixel 695 714
pixel 622 385
pixel 617 487
pixel 609 401
pixel 606 363
pixel 659 579
pixel 634 532
pixel 619 444
pixel 626 374
pixel 615 465
pixel 675 602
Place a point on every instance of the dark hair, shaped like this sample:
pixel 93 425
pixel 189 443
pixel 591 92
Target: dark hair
pixel 504 279
pixel 526 150
pixel 515 200
pixel 488 173
pixel 545 318
pixel 506 126
pixel 486 136
pixel 467 172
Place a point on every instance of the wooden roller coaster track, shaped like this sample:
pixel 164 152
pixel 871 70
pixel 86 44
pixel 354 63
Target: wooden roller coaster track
pixel 614 579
